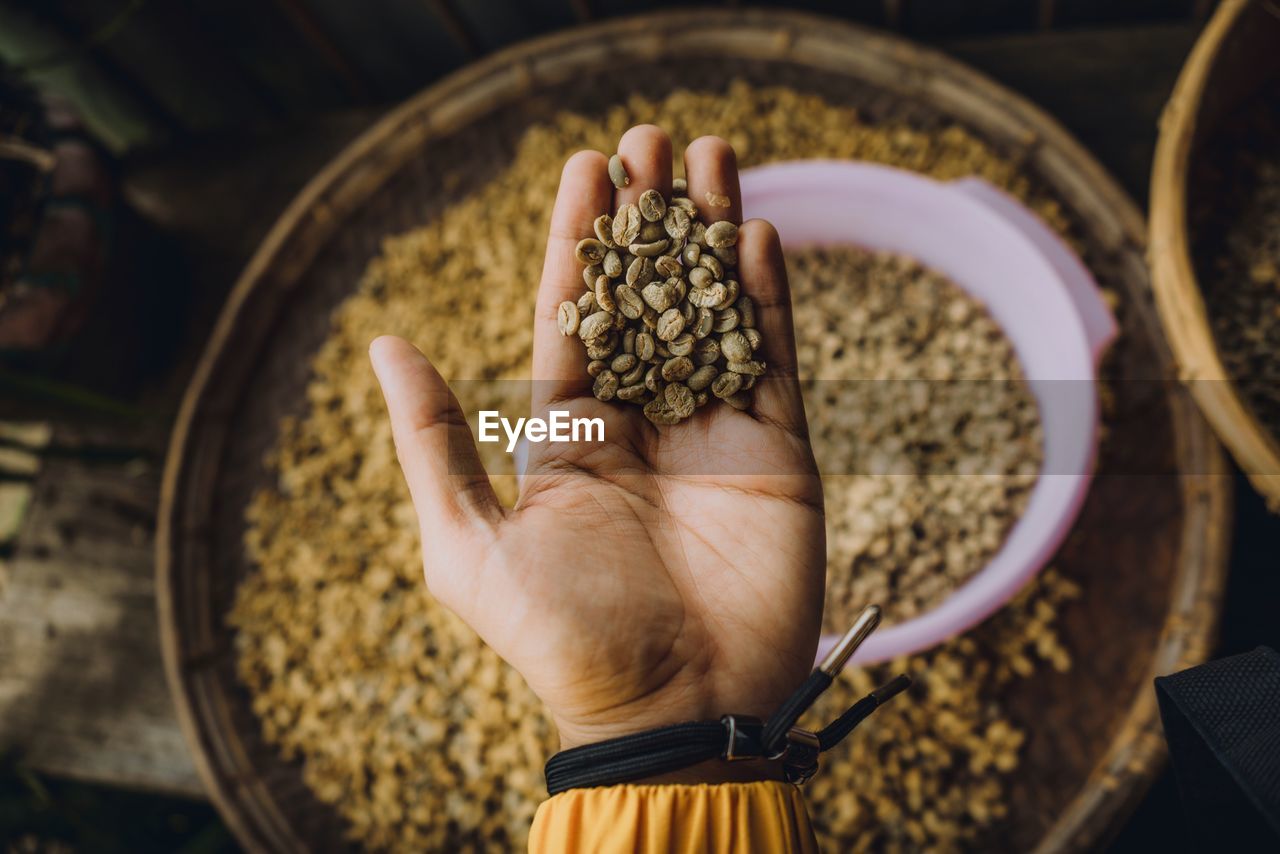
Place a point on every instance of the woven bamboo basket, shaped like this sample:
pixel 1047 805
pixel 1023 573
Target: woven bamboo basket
pixel 1149 550
pixel 1234 58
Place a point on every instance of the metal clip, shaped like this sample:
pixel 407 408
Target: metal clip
pixel 745 733
pixel 844 649
pixel 800 759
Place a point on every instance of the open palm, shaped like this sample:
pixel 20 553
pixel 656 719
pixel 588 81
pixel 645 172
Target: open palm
pixel 668 573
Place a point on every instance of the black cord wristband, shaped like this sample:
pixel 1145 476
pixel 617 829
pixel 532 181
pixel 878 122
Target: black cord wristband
pixel 733 737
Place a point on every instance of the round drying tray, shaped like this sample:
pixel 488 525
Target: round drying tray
pixel 1234 60
pixel 1149 547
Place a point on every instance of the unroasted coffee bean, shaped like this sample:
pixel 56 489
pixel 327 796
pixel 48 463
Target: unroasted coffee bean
pixel 606 385
pixel 741 400
pixel 708 297
pixel 722 234
pixel 651 231
pixel 640 272
pixel 691 255
pixel 712 265
pixel 670 324
pixel 590 251
pixel 666 266
pixel 626 225
pixel 679 185
pixel 644 346
pixel 700 277
pixel 567 317
pixel 706 351
pixel 726 320
pixel 677 288
pixel 677 368
pixel 658 412
pixel 681 345
pixel 602 348
pixel 631 392
pixel 730 295
pixel 630 304
pixel 676 223
pixel 653 378
pixel 703 323
pixel 726 385
pixel 746 367
pixel 648 250
pixel 622 363
pixel 635 376
pixel 752 336
pixel 728 255
pixel 587 304
pixel 658 296
pixel 618 172
pixel 735 347
pixel 590 272
pixel 652 206
pixel 612 264
pixel 595 326
pixel 603 227
pixel 702 377
pixel 685 204
pixel 679 399
pixel 604 298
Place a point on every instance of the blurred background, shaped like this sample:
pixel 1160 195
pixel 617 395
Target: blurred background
pixel 167 137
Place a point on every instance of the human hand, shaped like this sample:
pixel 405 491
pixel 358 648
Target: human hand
pixel 669 573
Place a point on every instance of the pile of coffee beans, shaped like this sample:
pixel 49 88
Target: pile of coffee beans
pixel 663 318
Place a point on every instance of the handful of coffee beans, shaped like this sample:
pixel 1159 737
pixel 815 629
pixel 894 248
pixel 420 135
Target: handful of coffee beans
pixel 662 319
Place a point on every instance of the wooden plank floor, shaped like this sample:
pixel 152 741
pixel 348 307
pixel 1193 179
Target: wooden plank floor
pixel 82 693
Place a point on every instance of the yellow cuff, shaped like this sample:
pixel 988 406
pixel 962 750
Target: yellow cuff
pixel 762 816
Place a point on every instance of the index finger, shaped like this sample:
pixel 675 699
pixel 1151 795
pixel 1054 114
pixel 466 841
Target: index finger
pixel 585 193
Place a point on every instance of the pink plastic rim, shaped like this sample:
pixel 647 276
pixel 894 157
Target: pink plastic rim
pixel 1035 287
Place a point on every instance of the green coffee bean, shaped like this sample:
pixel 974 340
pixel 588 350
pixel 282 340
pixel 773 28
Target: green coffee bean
pixel 603 227
pixel 630 304
pixel 618 172
pixel 652 206
pixel 590 251
pixel 702 377
pixel 567 318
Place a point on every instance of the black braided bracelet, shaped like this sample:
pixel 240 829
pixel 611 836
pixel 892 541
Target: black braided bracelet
pixel 733 737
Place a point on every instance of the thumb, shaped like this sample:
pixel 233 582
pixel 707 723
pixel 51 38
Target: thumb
pixel 450 489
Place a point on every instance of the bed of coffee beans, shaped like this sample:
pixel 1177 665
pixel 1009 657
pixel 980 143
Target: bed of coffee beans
pixel 926 434
pixel 663 319
pixel 1236 231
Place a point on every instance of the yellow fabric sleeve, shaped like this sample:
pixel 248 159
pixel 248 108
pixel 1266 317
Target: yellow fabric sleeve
pixel 739 817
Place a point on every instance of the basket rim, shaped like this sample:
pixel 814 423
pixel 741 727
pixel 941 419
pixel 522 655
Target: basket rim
pixel 1179 295
pixel 1134 754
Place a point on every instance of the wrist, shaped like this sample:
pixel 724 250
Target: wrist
pixel 729 750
